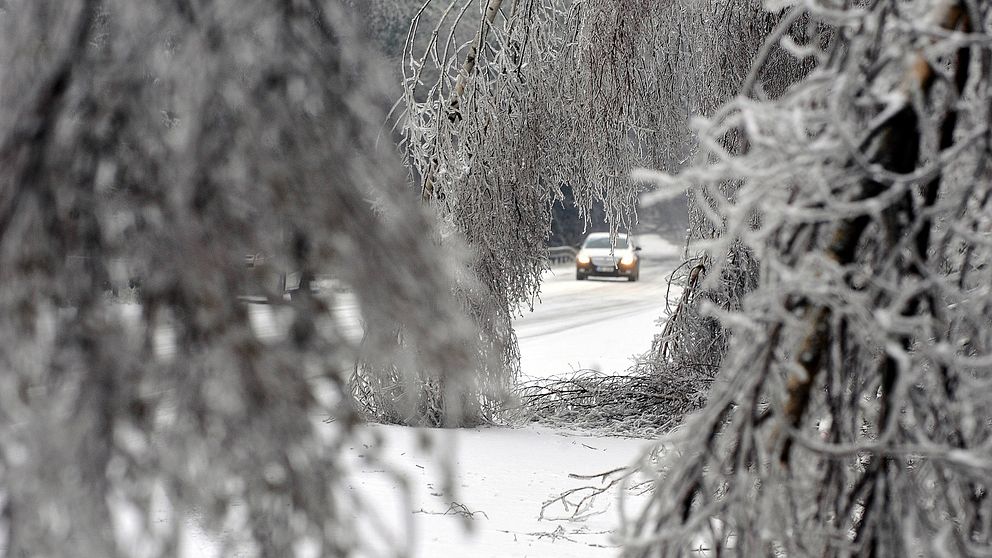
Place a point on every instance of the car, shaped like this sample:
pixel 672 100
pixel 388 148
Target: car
pixel 598 256
pixel 264 279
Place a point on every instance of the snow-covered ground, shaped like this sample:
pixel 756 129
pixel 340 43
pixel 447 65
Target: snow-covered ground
pixel 504 476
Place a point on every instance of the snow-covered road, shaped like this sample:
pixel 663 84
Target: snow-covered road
pixel 600 323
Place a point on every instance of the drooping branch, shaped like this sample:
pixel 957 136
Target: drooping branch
pixel 152 146
pixel 838 424
pixel 468 67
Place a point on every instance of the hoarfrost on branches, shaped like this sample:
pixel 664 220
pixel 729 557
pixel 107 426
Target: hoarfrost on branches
pixel 592 91
pixel 158 143
pixel 547 94
pixel 495 126
pixel 851 413
pixel 706 58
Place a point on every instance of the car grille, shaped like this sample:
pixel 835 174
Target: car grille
pixel 607 261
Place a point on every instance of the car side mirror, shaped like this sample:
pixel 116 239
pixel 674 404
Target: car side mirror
pixel 637 248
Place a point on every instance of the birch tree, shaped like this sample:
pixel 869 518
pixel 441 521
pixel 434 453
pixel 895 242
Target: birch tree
pixel 851 413
pixel 164 141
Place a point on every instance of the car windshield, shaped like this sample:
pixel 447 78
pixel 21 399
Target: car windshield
pixel 604 242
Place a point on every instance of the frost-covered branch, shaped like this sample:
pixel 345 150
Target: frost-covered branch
pixel 843 421
pixel 145 149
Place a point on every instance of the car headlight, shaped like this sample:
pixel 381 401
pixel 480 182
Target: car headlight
pixel 582 258
pixel 627 259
